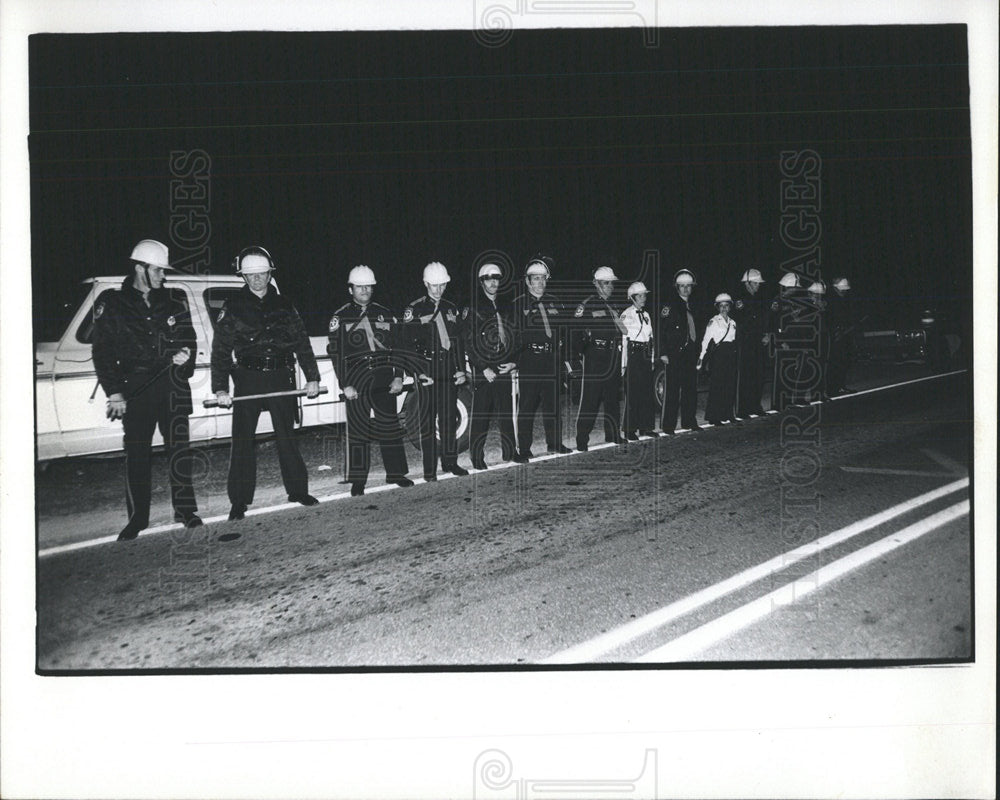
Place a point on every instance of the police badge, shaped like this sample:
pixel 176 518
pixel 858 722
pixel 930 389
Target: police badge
pixel 579 311
pixel 408 314
pixel 665 311
pixel 334 324
pixel 739 304
pixel 171 321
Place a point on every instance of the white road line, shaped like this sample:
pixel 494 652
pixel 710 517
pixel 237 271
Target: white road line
pixel 887 471
pixel 948 463
pixel 613 639
pixel 896 385
pixel 684 647
pixel 65 548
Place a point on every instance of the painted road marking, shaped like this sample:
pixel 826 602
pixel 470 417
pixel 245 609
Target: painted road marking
pixel 65 548
pixel 948 463
pixel 887 471
pixel 684 647
pixel 613 639
pixel 896 385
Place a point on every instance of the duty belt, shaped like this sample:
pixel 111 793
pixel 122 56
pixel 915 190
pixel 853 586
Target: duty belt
pixel 369 360
pixel 604 344
pixel 267 363
pixel 639 345
pixel 539 347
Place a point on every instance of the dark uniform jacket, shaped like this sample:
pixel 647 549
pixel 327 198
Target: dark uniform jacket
pixel 265 327
pixel 362 338
pixel 483 343
pixel 673 325
pixel 420 333
pixel 532 340
pixel 750 311
pixel 595 328
pixel 133 341
pixel 840 315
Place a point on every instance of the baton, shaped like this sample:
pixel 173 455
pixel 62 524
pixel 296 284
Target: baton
pixel 385 389
pixel 211 402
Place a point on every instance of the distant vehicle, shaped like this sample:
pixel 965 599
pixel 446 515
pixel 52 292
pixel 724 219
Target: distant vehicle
pixel 934 338
pixel 70 404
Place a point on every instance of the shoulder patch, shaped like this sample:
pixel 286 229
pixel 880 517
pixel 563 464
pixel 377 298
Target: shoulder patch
pixel 334 324
pixel 408 314
pixel 98 310
pixel 665 311
pixel 739 304
pixel 171 320
pixel 579 311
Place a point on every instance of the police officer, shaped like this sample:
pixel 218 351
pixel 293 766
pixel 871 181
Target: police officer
pixel 540 335
pixel 786 308
pixel 842 325
pixel 432 331
pixel 680 332
pixel 143 343
pixel 490 344
pixel 638 357
pixel 817 298
pixel 362 335
pixel 750 314
pixel 721 330
pixel 258 335
pixel 597 344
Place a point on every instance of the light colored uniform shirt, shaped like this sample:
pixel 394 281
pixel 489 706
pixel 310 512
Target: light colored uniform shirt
pixel 638 326
pixel 719 330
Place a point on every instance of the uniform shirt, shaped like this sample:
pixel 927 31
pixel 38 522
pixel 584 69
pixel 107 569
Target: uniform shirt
pixel 677 319
pixel 485 343
pixel 131 337
pixel 638 325
pixel 251 326
pixel 356 331
pixel 426 327
pixel 596 325
pixel 718 330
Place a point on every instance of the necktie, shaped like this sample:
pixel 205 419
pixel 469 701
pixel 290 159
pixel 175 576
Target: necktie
pixel 545 319
pixel 500 329
pixel 690 323
pixel 442 329
pixel 366 327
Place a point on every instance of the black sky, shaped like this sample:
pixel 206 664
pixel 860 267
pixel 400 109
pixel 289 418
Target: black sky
pixel 396 148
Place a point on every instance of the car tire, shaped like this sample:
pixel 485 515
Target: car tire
pixel 409 418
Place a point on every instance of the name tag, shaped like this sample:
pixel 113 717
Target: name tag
pixel 600 313
pixel 382 326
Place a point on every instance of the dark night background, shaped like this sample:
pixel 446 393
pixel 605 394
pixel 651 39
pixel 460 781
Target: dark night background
pixel 396 148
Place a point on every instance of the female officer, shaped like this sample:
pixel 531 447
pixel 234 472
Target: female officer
pixel 721 331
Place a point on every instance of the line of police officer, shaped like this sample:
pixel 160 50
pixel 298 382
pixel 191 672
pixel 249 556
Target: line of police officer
pixel 143 342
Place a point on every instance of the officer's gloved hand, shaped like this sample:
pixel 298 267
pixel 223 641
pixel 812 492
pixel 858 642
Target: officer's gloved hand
pixel 223 399
pixel 459 378
pixel 350 393
pixel 489 374
pixel 182 356
pixel 396 386
pixel 312 389
pixel 116 406
pixel 507 367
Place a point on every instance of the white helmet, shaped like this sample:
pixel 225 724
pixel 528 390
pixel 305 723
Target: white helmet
pixel 486 270
pixel 361 276
pixel 817 287
pixel 254 259
pixel 842 284
pixel 537 268
pixel 605 274
pixel 435 272
pixel 789 280
pixel 752 275
pixel 723 298
pixel 637 288
pixel 684 277
pixel 151 253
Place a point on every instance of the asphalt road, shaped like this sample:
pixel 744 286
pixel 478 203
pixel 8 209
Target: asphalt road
pixel 524 565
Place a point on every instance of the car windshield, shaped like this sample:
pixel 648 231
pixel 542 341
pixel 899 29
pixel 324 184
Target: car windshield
pixel 51 314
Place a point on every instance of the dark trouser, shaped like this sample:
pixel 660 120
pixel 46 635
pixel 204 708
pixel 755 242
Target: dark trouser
pixel 798 373
pixel 362 430
pixel 601 385
pixel 439 403
pixel 243 455
pixel 751 374
pixel 640 408
pixel 839 364
pixel 157 405
pixel 489 400
pixel 681 389
pixel 537 385
pixel 722 384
